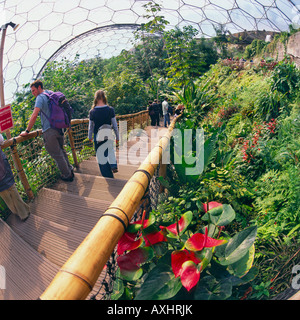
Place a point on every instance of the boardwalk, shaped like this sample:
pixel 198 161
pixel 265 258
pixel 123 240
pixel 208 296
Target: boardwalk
pixel 32 252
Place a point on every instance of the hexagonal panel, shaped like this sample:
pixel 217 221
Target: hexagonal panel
pixel 50 26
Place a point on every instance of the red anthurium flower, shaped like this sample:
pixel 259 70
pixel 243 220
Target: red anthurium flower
pixel 179 257
pixel 128 242
pixel 190 275
pixel 184 265
pixel 141 224
pixel 182 224
pixel 146 223
pixel 199 241
pixel 211 205
pixel 153 238
pixel 129 263
pixel 131 240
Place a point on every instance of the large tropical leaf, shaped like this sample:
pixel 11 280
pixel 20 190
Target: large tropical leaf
pixel 242 266
pixel 210 149
pixel 220 216
pixel 209 288
pixel 238 246
pixel 159 279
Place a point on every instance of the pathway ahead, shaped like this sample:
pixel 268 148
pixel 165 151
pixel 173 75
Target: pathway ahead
pixel 32 252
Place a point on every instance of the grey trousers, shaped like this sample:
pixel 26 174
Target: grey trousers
pixel 14 202
pixel 54 144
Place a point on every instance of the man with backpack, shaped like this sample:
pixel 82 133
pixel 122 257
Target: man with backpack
pixel 52 133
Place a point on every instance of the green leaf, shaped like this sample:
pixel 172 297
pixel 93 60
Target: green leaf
pixel 242 266
pixel 220 216
pixel 209 288
pixel 238 246
pixel 118 288
pixel 158 279
pixel 205 255
pixel 210 149
pixel 169 290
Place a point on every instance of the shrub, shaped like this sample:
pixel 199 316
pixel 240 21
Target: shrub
pixel 285 78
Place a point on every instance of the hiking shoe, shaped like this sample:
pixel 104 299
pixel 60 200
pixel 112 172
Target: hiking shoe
pixel 69 179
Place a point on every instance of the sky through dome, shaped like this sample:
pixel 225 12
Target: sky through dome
pixel 52 29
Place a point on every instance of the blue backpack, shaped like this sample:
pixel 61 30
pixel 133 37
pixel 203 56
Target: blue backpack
pixel 60 110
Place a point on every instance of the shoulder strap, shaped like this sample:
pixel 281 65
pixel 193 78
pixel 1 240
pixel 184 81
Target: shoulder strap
pixel 48 96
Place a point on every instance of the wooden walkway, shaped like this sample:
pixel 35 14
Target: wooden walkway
pixel 32 252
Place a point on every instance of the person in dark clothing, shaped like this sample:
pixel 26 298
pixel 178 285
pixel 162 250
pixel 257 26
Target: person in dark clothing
pixel 156 113
pixel 160 109
pixel 8 190
pixel 102 120
pixel 151 113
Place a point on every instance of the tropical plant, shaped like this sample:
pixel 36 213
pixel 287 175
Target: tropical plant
pixel 125 92
pixel 286 78
pixel 187 58
pixel 166 261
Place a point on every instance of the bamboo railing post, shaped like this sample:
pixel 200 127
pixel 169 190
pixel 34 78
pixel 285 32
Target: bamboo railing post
pixel 72 144
pixel 17 162
pixel 21 173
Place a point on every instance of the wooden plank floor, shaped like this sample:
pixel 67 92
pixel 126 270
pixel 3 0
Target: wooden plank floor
pixel 32 252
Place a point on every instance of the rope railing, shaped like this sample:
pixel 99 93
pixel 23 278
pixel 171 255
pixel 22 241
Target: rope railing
pixel 78 275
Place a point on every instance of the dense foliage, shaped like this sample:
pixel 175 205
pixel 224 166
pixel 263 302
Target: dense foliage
pixel 250 118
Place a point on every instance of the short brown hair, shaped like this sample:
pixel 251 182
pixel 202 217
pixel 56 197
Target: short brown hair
pixel 37 83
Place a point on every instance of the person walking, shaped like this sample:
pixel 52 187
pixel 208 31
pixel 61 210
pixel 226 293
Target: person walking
pixel 156 112
pixel 102 120
pixel 53 138
pixel 8 190
pixel 178 110
pixel 151 113
pixel 165 111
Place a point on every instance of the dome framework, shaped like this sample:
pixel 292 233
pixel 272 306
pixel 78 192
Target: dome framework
pixel 52 30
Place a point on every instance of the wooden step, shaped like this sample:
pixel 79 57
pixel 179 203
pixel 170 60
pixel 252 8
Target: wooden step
pixel 91 167
pixel 92 186
pixel 27 272
pixel 54 241
pixel 68 209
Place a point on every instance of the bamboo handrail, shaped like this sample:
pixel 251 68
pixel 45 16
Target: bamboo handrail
pixel 296 296
pixel 79 274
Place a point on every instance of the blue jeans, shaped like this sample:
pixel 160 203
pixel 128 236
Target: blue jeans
pixel 166 120
pixel 106 158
